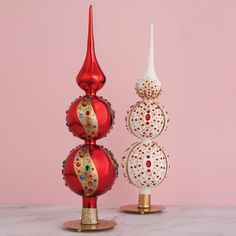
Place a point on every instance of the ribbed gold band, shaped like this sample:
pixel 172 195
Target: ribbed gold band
pixel 144 201
pixel 89 216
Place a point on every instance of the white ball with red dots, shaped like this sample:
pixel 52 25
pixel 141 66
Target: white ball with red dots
pixel 146 119
pixel 145 164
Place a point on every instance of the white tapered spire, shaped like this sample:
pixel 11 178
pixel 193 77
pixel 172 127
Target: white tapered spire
pixel 150 72
pixel 149 87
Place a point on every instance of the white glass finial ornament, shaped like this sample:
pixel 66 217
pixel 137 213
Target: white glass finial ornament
pixel 145 164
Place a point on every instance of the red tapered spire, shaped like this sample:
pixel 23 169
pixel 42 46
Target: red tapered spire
pixel 91 77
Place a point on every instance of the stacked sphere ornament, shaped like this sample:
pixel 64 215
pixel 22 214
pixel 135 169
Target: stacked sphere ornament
pixel 90 169
pixel 145 164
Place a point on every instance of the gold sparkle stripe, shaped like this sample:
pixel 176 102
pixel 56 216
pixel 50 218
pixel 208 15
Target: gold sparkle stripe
pixel 127 160
pixel 167 161
pixel 87 116
pixel 86 171
pixel 129 119
pixel 165 118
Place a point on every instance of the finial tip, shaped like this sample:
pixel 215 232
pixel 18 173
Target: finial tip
pixel 90 10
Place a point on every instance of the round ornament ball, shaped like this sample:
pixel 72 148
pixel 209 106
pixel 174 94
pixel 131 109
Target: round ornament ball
pixel 90 117
pixel 145 164
pixel 146 119
pixel 90 170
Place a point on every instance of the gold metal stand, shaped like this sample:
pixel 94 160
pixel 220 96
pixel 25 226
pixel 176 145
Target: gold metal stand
pixel 144 206
pixel 89 216
pixel 101 225
pixel 144 201
pixel 89 222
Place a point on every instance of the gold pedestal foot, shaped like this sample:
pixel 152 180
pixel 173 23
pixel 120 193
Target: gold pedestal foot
pixel 101 225
pixel 144 206
pixel 136 209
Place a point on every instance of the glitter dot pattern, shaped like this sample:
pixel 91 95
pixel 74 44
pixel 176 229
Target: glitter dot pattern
pixel 148 88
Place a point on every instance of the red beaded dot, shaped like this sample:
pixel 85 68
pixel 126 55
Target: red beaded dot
pixel 147 117
pixel 148 163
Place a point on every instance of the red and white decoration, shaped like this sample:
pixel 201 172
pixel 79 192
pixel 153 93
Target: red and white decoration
pixel 145 164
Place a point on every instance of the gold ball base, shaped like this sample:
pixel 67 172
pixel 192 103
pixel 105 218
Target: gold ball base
pixel 136 209
pixel 77 226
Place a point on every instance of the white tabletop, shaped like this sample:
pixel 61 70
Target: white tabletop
pixel 46 220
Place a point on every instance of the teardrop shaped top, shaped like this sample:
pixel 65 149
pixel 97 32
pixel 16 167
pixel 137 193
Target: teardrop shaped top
pixel 90 78
pixel 149 87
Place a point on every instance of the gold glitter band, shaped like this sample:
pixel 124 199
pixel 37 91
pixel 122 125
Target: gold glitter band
pixel 89 216
pixel 87 116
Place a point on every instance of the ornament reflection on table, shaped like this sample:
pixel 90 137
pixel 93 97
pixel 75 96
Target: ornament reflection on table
pixel 145 164
pixel 90 170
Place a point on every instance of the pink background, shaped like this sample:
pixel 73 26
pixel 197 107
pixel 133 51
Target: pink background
pixel 42 47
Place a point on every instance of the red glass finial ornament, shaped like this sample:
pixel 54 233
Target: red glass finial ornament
pixel 90 170
pixel 91 77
